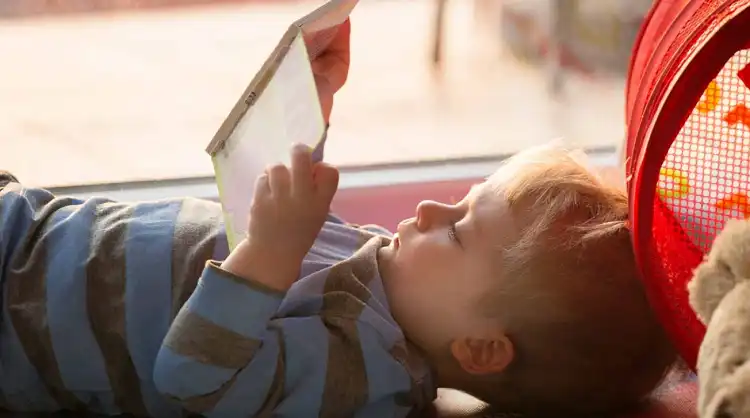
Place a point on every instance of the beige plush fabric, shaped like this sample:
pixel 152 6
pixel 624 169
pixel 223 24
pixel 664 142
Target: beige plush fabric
pixel 720 296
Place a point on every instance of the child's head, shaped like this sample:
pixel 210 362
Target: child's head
pixel 526 292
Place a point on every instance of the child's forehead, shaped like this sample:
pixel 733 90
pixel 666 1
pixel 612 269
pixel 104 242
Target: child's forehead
pixel 490 223
pixel 494 184
pixel 487 201
pixel 505 174
pixel 478 191
pixel 489 189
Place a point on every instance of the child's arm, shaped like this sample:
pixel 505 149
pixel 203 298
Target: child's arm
pixel 223 329
pixel 228 356
pixel 221 332
pixel 294 366
pixel 23 214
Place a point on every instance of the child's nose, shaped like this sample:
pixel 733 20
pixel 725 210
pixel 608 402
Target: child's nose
pixel 430 213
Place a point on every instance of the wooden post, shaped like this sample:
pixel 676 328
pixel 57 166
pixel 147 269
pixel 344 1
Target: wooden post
pixel 438 35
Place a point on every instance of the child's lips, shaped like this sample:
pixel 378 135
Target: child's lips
pixel 396 242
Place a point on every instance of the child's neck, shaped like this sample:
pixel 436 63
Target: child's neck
pixel 445 372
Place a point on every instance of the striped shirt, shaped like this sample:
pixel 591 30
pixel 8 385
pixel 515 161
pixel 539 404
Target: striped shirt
pixel 115 308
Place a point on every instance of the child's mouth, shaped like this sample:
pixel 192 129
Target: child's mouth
pixel 395 241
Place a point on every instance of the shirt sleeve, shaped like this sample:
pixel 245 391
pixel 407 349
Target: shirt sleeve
pixel 24 215
pixel 227 354
pixel 220 331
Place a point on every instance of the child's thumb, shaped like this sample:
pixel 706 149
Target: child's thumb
pixel 327 181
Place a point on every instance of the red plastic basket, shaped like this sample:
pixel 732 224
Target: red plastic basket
pixel 688 146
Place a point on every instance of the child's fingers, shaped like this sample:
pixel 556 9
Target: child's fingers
pixel 327 182
pixel 262 187
pixel 279 179
pixel 302 171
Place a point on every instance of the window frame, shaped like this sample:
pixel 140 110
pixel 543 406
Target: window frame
pixel 352 177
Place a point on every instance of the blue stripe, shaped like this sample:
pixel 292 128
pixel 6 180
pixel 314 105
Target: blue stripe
pixel 304 298
pixel 233 305
pixel 184 377
pixel 385 375
pixel 389 332
pixel 13 224
pixel 249 391
pixel 334 243
pixel 78 355
pixel 306 346
pixel 221 246
pixel 148 291
pixel 158 405
pixel 17 213
pixel 100 403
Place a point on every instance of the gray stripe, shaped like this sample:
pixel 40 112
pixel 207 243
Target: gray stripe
pixel 6 178
pixel 25 282
pixel 420 394
pixel 353 274
pixel 105 302
pixel 197 227
pixel 346 386
pixel 195 234
pixel 200 339
pixel 194 325
pixel 365 236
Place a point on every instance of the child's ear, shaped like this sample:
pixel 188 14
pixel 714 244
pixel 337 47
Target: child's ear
pixel 483 356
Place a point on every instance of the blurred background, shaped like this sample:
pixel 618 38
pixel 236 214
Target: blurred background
pixel 99 91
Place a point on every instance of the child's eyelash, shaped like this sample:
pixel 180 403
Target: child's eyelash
pixel 452 233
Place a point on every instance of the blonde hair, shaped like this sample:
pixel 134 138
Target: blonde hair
pixel 570 297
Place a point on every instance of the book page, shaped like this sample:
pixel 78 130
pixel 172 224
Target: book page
pixel 287 111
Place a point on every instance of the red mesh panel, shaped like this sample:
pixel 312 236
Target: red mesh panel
pixel 660 27
pixel 688 148
pixel 669 277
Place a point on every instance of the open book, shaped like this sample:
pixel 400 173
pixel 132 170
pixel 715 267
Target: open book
pixel 278 108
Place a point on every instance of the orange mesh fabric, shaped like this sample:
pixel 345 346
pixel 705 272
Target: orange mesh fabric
pixel 688 147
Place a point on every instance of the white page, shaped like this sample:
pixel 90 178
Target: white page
pixel 288 111
pixel 270 117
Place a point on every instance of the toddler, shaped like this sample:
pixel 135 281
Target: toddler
pixel 524 294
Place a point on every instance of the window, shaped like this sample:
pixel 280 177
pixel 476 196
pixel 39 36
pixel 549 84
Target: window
pixel 136 94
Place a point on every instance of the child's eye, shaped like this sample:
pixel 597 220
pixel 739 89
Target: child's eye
pixel 452 234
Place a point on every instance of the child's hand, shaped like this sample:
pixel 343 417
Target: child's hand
pixel 331 68
pixel 289 207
